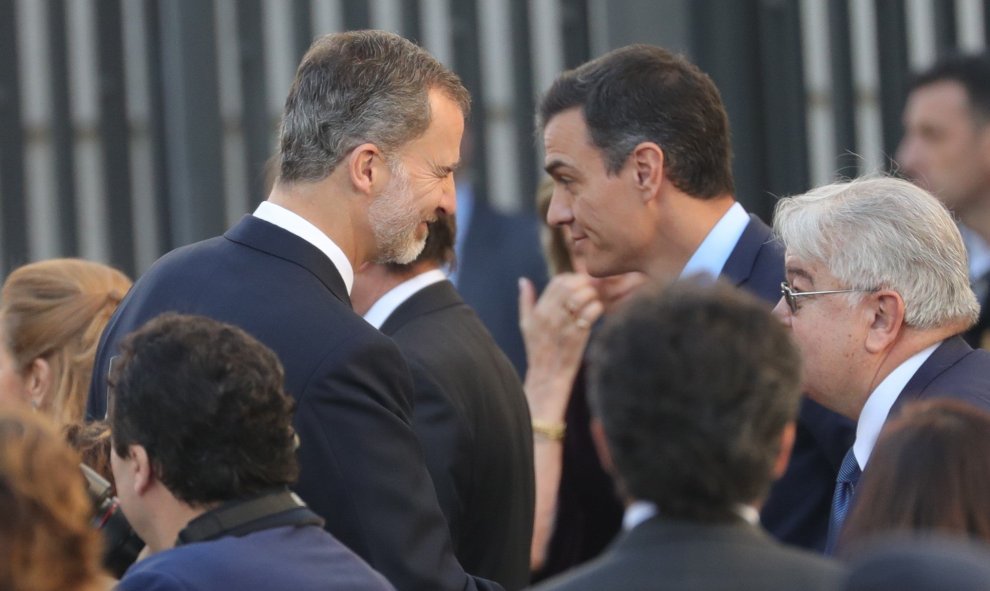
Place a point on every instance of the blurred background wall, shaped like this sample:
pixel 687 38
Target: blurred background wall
pixel 129 127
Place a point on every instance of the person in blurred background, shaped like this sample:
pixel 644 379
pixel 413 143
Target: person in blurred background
pixel 51 316
pixel 929 473
pixel 46 540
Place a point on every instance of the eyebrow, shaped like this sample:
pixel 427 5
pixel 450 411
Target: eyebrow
pixel 445 170
pixel 554 165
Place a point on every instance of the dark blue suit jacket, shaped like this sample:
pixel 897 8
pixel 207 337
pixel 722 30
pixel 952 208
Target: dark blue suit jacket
pixel 472 419
pixel 498 250
pixel 798 507
pixel 302 558
pixel 362 469
pixel 954 370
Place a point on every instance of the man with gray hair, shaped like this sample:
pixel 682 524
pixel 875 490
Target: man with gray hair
pixel 876 296
pixel 369 140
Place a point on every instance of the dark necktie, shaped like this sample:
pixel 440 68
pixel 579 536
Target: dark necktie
pixel 845 483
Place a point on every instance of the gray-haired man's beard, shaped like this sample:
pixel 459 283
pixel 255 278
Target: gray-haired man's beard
pixel 395 223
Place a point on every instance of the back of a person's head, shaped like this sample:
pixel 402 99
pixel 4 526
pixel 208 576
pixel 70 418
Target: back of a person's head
pixel 694 386
pixel 56 310
pixel 642 93
pixel 910 563
pixel 206 401
pixel 356 87
pixel 46 540
pixel 972 71
pixel 927 473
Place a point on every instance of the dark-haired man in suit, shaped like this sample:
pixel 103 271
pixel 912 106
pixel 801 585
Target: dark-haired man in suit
pixel 469 412
pixel 637 142
pixel 877 296
pixel 369 140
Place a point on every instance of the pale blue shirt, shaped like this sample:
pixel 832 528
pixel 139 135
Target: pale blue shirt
pixel 880 402
pixel 303 228
pixel 379 312
pixel 716 248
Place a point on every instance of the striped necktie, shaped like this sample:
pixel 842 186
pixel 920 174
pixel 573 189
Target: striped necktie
pixel 845 483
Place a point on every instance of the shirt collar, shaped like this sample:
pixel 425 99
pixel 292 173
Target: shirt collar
pixel 393 298
pixel 716 248
pixel 639 511
pixel 303 228
pixel 880 402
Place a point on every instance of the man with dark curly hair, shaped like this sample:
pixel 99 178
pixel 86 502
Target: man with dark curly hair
pixel 203 453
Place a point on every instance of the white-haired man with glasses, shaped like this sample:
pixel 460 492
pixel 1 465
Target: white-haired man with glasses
pixel 876 296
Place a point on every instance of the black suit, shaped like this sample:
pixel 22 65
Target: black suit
pixel 361 467
pixel 471 416
pixel 664 554
pixel 498 250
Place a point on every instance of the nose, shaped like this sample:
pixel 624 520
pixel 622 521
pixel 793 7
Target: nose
pixel 448 197
pixel 782 312
pixel 907 157
pixel 559 213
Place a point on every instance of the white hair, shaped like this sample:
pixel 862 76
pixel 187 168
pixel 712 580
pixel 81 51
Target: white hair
pixel 884 233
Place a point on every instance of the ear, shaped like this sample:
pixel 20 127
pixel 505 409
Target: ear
pixel 885 314
pixel 39 382
pixel 786 445
pixel 365 166
pixel 647 162
pixel 144 475
pixel 601 446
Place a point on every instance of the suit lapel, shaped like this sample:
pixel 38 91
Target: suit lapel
pixel 269 238
pixel 429 299
pixel 945 356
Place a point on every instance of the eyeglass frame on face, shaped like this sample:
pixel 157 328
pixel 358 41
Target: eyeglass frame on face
pixel 790 296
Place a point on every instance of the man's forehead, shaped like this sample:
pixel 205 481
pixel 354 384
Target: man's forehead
pixel 939 99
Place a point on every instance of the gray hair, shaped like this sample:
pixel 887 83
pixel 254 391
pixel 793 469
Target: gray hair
pixel 884 233
pixel 357 87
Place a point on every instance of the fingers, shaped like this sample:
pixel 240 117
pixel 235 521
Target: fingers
pixel 527 299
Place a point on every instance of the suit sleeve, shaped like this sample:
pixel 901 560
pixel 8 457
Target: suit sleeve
pixel 362 468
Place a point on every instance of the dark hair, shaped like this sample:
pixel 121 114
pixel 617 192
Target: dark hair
pixel 928 472
pixel 207 402
pixel 694 386
pixel 439 248
pixel 356 87
pixel 642 93
pixel 971 71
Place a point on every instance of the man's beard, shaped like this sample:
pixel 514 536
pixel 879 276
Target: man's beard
pixel 395 221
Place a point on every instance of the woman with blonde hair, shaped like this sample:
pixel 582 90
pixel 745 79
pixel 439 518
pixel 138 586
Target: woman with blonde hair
pixel 52 314
pixel 46 540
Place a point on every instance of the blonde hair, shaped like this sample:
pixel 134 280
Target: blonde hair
pixel 56 310
pixel 46 539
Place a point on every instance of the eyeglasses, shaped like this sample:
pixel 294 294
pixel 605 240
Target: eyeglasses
pixel 791 296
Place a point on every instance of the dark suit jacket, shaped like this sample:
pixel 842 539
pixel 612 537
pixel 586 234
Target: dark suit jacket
pixel 665 554
pixel 954 370
pixel 302 558
pixel 361 467
pixel 498 250
pixel 471 416
pixel 798 507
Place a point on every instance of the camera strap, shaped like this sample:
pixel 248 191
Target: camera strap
pixel 238 518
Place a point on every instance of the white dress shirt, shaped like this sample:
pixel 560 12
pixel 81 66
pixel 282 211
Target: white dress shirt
pixel 717 247
pixel 639 511
pixel 880 402
pixel 301 227
pixel 379 312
